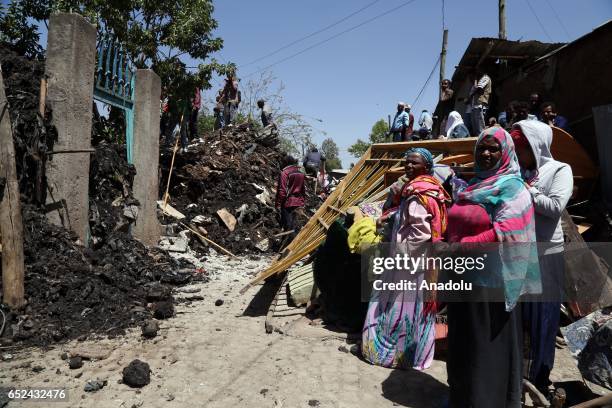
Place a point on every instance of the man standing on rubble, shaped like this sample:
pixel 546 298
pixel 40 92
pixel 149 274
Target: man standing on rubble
pixel 410 130
pixel 312 161
pixel 479 98
pixel 400 123
pixel 266 113
pixel 290 192
pixel 196 104
pixel 231 98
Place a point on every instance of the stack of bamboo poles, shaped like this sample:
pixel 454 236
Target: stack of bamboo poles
pixel 365 180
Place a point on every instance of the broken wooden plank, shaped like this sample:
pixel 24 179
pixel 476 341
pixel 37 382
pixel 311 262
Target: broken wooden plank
pixel 169 210
pixel 228 219
pixel 11 226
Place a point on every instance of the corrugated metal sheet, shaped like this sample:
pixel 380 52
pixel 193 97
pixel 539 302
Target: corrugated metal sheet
pixel 484 51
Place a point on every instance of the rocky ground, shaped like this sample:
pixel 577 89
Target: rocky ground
pixel 215 353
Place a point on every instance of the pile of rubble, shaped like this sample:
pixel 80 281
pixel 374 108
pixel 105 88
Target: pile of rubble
pixel 33 134
pixel 73 291
pixel 225 185
pixel 112 207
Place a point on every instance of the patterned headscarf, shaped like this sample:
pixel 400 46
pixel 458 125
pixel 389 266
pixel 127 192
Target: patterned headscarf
pixel 425 154
pixel 503 194
pixel 484 188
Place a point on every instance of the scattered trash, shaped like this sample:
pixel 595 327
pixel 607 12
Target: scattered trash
pixel 263 245
pixel 173 244
pixel 95 385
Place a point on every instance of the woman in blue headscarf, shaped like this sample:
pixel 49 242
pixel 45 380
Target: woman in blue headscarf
pixel 399 330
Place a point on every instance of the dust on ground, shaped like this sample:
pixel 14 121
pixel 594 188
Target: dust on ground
pixel 220 356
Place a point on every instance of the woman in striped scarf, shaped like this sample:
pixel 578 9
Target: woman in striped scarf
pixel 494 213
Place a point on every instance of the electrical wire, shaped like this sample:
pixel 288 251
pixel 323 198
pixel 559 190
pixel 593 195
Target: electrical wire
pixel 299 40
pixel 331 38
pixel 426 82
pixel 569 37
pixel 538 19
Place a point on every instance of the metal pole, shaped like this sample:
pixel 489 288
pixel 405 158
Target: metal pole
pixel 502 19
pixel 443 60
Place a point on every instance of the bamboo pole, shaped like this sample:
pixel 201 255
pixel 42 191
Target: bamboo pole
pixel 177 138
pixel 210 241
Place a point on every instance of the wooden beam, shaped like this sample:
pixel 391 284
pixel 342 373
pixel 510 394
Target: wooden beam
pixel 450 146
pixel 323 223
pixel 386 161
pixel 485 54
pixel 339 211
pixel 11 226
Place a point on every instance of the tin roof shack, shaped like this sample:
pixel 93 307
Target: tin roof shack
pixel 576 76
pixel 498 58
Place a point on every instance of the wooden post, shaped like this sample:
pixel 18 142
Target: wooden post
pixel 11 227
pixel 502 19
pixel 443 60
pixel 43 97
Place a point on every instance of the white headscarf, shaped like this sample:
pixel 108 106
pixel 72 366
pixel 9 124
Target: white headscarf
pixel 454 120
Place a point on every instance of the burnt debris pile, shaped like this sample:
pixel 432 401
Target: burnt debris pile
pixel 33 134
pixel 72 291
pixel 225 186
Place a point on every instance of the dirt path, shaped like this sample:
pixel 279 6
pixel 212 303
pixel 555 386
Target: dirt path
pixel 220 356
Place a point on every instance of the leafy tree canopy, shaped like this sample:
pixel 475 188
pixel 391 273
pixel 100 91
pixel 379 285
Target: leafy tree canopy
pixel 157 34
pixel 378 134
pixel 330 151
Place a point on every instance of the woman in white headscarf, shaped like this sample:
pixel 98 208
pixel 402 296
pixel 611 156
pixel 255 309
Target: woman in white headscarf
pixel 550 184
pixel 455 128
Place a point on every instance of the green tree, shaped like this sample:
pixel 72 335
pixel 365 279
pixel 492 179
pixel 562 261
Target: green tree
pixel 330 151
pixel 358 148
pixel 378 134
pixel 157 34
pixel 16 31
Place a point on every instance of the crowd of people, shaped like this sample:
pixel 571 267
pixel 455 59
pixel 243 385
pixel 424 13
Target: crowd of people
pixel 516 196
pixel 451 124
pixel 505 330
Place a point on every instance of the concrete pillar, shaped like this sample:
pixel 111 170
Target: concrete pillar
pixel 146 155
pixel 70 65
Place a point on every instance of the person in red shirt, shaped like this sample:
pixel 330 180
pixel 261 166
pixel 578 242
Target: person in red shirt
pixel 196 104
pixel 290 192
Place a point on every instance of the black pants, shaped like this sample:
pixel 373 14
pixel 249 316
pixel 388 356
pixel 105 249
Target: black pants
pixel 193 124
pixel 287 218
pixel 312 170
pixel 485 354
